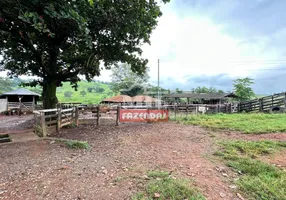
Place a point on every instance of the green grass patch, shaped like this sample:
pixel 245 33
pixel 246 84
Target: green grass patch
pixel 168 188
pixel 244 122
pixel 4 135
pixel 252 149
pixel 158 174
pixel 74 144
pixel 259 180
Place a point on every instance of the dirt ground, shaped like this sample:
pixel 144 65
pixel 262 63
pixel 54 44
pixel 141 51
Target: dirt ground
pixel 115 165
pixel 14 123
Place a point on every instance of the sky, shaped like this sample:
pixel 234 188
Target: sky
pixel 212 42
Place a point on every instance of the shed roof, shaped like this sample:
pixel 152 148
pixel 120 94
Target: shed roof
pixel 201 95
pixel 142 98
pixel 118 99
pixel 20 92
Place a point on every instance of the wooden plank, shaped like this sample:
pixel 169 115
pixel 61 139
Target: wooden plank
pixel 66 120
pixel 117 115
pixel 65 115
pixel 52 122
pixel 48 110
pixel 66 123
pixel 43 125
pixel 49 116
pixel 97 116
pixel 67 110
pixel 76 116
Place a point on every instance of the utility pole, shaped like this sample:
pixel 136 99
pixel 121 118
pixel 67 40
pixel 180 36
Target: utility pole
pixel 159 100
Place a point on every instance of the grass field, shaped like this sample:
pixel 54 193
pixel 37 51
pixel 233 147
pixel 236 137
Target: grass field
pixel 258 180
pixel 94 92
pixel 162 186
pixel 244 122
pixel 87 92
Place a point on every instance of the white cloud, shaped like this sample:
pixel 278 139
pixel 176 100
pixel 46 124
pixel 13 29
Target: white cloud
pixel 190 45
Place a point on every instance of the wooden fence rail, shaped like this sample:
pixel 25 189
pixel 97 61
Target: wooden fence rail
pixel 264 104
pixel 54 117
pixel 202 108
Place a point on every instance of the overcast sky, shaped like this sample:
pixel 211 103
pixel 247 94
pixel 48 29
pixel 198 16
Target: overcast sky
pixel 212 42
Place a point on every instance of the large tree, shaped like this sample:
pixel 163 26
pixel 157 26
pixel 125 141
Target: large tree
pixel 242 88
pixel 125 81
pixel 57 40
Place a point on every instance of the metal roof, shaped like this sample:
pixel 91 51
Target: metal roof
pixel 145 99
pixel 118 99
pixel 126 98
pixel 20 92
pixel 200 95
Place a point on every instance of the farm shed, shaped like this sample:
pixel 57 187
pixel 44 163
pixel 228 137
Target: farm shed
pixel 199 98
pixel 20 98
pixel 144 100
pixel 127 100
pixel 119 99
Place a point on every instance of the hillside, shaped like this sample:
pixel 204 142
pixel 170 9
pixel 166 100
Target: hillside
pixel 87 92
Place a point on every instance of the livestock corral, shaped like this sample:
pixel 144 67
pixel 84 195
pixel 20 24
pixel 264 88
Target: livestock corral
pixel 98 152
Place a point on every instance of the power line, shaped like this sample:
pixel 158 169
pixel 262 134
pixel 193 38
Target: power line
pixel 235 61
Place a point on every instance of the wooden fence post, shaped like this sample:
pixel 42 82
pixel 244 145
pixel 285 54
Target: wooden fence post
pixel 187 110
pixel 43 124
pixel 76 116
pixel 260 105
pixel 117 115
pixel 175 112
pixel 97 115
pixel 59 120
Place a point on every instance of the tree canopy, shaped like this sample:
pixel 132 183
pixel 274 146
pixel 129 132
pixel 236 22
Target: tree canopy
pixel 206 90
pixel 57 40
pixel 242 88
pixel 125 81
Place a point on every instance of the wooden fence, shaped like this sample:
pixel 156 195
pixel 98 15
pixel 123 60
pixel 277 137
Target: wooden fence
pixel 202 108
pixel 44 119
pixel 265 104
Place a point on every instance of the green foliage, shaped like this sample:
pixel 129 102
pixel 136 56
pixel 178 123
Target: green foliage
pixel 259 180
pixel 68 94
pixel 242 88
pixel 168 188
pixel 244 122
pixel 128 82
pixel 5 85
pixel 89 90
pixel 178 91
pixel 158 174
pixel 82 93
pixel 206 90
pixel 153 91
pixel 59 40
pixel 74 144
pixel 252 149
pixel 4 135
pixel 99 90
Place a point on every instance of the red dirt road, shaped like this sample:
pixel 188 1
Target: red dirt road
pixel 114 166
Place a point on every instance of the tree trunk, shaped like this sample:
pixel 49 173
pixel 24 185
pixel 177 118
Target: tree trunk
pixel 49 94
